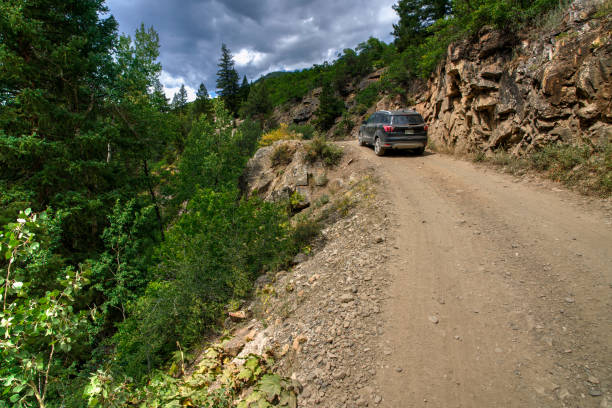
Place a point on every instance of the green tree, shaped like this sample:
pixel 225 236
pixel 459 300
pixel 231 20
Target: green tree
pixel 143 128
pixel 330 107
pixel 158 97
pixel 56 68
pixel 243 92
pixel 415 17
pixel 202 104
pixel 38 330
pixel 258 105
pixel 227 80
pixel 179 101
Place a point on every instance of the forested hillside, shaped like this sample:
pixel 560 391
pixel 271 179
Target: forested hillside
pixel 125 237
pixel 124 231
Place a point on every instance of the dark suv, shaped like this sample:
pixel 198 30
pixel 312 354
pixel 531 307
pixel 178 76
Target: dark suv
pixel 400 129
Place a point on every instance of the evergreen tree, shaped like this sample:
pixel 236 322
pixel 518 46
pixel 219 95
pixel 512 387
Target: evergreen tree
pixel 202 104
pixel 415 16
pixel 330 107
pixel 244 90
pixel 55 72
pixel 158 97
pixel 258 104
pixel 179 102
pixel 227 80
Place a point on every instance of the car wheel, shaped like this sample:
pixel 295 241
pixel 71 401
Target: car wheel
pixel 378 149
pixel 419 151
pixel 360 139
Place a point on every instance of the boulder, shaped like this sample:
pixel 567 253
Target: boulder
pixel 234 346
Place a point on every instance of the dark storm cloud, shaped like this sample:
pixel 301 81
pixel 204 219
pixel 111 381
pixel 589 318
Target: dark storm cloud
pixel 264 35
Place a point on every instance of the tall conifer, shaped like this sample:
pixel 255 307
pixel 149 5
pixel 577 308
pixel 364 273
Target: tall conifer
pixel 227 80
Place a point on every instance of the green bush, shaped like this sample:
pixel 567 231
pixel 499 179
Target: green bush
pixel 368 96
pixel 210 257
pixel 307 131
pixel 320 149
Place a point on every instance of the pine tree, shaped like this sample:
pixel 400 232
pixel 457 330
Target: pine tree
pixel 55 76
pixel 179 102
pixel 244 90
pixel 202 104
pixel 227 80
pixel 258 105
pixel 158 97
pixel 330 107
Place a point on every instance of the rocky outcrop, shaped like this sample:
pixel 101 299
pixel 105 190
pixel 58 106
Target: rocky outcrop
pixel 300 113
pixel 520 92
pixel 277 182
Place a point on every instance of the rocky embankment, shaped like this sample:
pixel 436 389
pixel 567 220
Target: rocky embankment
pixel 320 319
pixel 520 92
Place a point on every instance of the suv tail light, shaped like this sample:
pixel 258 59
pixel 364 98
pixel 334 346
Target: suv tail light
pixel 425 127
pixel 388 128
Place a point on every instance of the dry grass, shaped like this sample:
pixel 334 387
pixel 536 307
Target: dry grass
pixel 587 169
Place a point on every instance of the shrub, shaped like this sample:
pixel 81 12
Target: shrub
pixel 281 155
pixel 304 232
pixel 307 131
pixel 320 149
pixel 344 126
pixel 211 256
pixel 281 133
pixel 368 96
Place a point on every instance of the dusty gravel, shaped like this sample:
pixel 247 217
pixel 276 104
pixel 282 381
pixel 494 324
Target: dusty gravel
pixel 501 289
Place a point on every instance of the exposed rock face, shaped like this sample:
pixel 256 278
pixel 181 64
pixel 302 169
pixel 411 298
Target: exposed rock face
pixel 519 93
pixel 303 112
pixel 272 183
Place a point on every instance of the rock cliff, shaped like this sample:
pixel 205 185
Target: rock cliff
pixel 520 92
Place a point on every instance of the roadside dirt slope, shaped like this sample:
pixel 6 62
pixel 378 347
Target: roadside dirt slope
pixel 501 289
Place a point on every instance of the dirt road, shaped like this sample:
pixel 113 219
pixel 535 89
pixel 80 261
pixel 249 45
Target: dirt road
pixel 501 293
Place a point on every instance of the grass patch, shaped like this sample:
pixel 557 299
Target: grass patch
pixel 604 10
pixel 585 168
pixel 321 150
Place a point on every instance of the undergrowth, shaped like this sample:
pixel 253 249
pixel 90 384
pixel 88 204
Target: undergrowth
pixel 321 149
pixel 585 168
pixel 283 132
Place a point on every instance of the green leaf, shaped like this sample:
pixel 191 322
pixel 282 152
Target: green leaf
pixel 271 386
pixel 251 363
pixel 288 399
pixel 245 374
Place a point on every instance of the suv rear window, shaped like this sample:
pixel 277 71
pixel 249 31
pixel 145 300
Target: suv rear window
pixel 407 120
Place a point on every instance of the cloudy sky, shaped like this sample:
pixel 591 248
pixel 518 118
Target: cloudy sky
pixel 263 35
